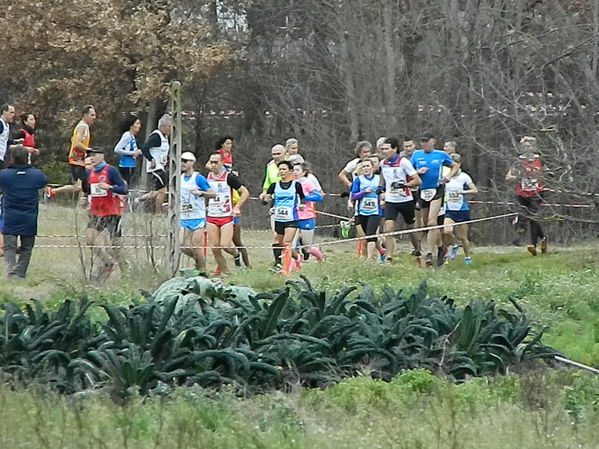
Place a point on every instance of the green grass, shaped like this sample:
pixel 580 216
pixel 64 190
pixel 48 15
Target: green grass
pixel 544 410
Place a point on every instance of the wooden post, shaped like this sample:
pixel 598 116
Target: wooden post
pixel 174 175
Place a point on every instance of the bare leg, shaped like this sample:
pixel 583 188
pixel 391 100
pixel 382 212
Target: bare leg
pixel 447 233
pixel 239 245
pixel 463 231
pixel 390 239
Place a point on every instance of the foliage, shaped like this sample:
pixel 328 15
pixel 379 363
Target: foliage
pixel 262 342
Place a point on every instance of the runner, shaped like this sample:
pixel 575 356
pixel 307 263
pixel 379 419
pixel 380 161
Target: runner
pixel 450 147
pixel 363 150
pixel 307 215
pixel 80 145
pixel 397 176
pixel 6 118
pixel 224 147
pixel 368 206
pixel 194 190
pixel 457 210
pixel 127 149
pixel 155 150
pixel 221 211
pixel 103 183
pixel 428 163
pixel 292 150
pixel 286 196
pixel 27 133
pixel 272 169
pixel 528 172
pixel 408 150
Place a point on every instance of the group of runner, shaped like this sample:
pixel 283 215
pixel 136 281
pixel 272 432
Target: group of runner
pixel 425 186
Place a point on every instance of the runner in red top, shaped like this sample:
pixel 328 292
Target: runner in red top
pixel 224 145
pixel 528 173
pixel 27 133
pixel 103 183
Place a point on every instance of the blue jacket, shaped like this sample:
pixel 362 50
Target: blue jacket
pixel 20 199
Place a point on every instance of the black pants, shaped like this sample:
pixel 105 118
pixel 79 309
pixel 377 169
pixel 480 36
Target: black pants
pixel 16 269
pixel 528 213
pixel 369 224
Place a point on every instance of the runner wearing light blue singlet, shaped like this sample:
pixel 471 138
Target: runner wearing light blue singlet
pixel 194 190
pixel 365 192
pixel 458 211
pixel 287 195
pixel 428 163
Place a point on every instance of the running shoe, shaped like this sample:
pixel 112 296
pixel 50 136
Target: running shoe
pixel 237 260
pixel 468 260
pixel 106 271
pixel 388 261
pixel 317 253
pixel 429 260
pixel 381 258
pixel 416 252
pixel 276 268
pixel 345 227
pixel 454 252
pixel 441 255
pixel 544 245
pixel 532 249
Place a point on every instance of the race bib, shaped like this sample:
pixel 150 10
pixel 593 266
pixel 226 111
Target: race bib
pixel 96 191
pixel 397 188
pixel 530 184
pixel 369 204
pixel 283 213
pixel 428 194
pixel 186 207
pixel 454 196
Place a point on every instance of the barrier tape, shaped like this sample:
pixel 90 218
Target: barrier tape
pixel 331 242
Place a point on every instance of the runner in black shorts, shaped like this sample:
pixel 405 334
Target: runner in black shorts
pixel 397 176
pixel 77 173
pixel 112 224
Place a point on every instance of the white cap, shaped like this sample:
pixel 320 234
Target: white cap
pixel 188 156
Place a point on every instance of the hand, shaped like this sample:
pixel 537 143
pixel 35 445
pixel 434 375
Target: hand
pixel 236 211
pixel 422 171
pixel 197 192
pixel 21 140
pixel 368 190
pixel 301 206
pixel 152 164
pixel 445 179
pixel 136 153
pixel 382 196
pixel 262 196
pixel 104 186
pixel 83 201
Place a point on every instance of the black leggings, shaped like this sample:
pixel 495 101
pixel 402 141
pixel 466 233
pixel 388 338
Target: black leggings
pixel 528 214
pixel 369 224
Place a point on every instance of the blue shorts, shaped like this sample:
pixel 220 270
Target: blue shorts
pixel 458 216
pixel 193 224
pixel 307 225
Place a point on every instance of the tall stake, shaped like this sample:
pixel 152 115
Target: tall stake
pixel 174 175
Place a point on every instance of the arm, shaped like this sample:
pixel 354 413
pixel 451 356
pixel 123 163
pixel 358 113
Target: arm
pixel 356 193
pixel 244 195
pixel 454 169
pixel 118 185
pixel 344 179
pixel 153 141
pixel 269 192
pixel 415 181
pixel 203 188
pixel 123 146
pixel 510 176
pixel 300 191
pixel 471 188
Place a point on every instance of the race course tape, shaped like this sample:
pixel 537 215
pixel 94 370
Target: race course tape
pixel 331 242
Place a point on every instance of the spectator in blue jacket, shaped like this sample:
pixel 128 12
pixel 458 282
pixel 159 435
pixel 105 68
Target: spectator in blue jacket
pixel 20 184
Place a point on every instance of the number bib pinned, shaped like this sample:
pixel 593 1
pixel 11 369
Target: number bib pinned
pixel 428 194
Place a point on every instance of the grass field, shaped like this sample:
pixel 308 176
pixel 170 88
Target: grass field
pixel 549 409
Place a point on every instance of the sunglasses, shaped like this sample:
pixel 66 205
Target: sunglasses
pixel 186 160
